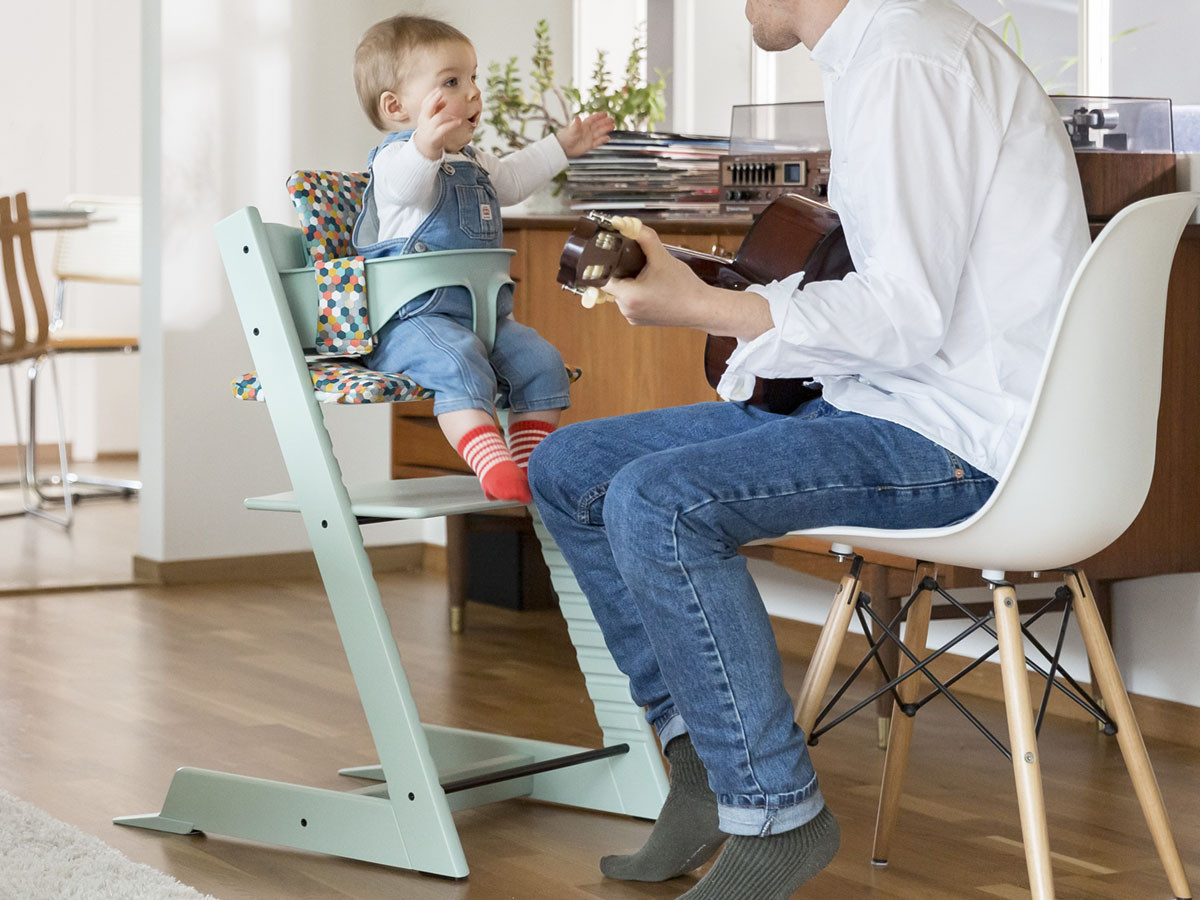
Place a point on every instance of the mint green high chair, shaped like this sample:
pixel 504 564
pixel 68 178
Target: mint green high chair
pixel 425 772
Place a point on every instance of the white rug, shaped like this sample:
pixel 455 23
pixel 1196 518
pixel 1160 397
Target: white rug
pixel 42 858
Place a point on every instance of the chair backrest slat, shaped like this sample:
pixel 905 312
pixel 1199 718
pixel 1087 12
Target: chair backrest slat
pixel 12 285
pixel 16 238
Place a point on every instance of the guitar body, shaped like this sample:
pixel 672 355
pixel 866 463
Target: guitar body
pixel 791 235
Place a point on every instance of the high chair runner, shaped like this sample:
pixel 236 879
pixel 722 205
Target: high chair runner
pixel 425 772
pixel 1078 478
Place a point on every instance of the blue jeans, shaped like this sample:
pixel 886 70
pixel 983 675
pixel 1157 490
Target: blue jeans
pixel 650 509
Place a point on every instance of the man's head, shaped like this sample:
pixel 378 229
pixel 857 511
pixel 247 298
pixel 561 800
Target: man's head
pixel 400 60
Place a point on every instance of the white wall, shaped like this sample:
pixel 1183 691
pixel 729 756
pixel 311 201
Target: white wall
pixel 239 93
pixel 74 128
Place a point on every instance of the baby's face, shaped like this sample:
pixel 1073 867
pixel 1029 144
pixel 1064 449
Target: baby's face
pixel 450 67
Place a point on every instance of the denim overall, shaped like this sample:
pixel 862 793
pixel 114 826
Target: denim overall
pixel 430 338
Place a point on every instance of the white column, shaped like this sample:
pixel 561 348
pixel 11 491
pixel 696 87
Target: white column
pixel 1095 41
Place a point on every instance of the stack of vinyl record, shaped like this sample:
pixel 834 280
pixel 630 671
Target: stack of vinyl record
pixel 649 172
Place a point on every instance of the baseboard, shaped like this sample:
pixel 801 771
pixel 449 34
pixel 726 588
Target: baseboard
pixel 269 566
pixel 1164 720
pixel 46 455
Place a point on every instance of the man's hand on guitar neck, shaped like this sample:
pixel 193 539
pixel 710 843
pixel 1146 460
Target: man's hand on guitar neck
pixel 667 292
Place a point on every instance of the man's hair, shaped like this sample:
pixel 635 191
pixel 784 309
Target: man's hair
pixel 382 54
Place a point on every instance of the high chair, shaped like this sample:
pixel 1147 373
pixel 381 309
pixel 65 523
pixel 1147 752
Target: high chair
pixel 1077 480
pixel 425 772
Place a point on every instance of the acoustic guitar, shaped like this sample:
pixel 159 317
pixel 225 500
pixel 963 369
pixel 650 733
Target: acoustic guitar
pixel 793 234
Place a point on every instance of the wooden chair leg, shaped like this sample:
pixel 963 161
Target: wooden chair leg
pixel 916 634
pixel 875 581
pixel 1102 594
pixel 820 669
pixel 456 571
pixel 1129 735
pixel 1023 743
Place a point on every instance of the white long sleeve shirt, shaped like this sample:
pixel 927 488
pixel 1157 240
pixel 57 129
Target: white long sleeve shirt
pixel 960 198
pixel 405 183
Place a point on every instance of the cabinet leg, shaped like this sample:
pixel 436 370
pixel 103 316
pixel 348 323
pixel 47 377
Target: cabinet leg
pixel 456 571
pixel 875 582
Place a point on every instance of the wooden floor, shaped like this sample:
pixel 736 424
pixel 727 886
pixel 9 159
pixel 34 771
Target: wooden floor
pixel 103 695
pixel 98 550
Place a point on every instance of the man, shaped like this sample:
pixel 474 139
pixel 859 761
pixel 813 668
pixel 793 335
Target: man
pixel 958 192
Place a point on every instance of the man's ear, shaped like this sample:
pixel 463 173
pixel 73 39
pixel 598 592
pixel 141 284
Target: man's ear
pixel 390 108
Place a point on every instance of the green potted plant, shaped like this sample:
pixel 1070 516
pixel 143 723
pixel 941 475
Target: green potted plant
pixel 519 117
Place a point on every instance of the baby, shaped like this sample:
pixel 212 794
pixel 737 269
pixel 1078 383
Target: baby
pixel 430 190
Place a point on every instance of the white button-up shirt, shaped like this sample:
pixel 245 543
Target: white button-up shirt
pixel 956 184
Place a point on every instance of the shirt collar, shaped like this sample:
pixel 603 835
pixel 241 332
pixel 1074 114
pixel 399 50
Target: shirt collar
pixel 840 41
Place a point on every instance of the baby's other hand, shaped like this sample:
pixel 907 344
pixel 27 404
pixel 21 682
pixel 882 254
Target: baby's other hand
pixel 587 134
pixel 433 122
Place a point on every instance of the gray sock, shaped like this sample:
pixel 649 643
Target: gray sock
pixel 770 868
pixel 685 834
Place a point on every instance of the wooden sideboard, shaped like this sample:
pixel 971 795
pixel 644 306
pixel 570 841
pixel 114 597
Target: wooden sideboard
pixel 628 369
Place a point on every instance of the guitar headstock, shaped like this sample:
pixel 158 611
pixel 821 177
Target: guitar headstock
pixel 600 247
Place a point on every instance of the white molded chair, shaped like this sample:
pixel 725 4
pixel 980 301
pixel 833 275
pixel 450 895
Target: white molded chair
pixel 1077 480
pixel 424 772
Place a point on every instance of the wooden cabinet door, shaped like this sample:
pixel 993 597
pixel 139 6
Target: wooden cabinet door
pixel 625 368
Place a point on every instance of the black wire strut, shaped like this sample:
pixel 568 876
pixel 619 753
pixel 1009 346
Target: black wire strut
pixel 889 631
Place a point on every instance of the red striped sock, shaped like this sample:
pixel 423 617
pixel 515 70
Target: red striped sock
pixel 523 436
pixel 502 479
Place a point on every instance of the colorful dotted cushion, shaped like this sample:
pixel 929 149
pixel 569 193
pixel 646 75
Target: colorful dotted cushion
pixel 341 381
pixel 328 204
pixel 343 328
pixel 347 382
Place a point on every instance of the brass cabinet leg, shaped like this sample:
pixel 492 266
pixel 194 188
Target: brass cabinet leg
pixel 916 633
pixel 875 581
pixel 1023 742
pixel 820 669
pixel 456 571
pixel 1129 736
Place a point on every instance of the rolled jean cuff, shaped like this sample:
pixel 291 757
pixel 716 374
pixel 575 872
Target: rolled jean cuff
pixel 775 817
pixel 669 727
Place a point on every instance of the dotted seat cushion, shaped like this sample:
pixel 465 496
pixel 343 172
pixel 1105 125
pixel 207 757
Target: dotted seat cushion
pixel 342 381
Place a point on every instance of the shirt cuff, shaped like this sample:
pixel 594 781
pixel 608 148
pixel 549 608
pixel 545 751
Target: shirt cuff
pixel 737 382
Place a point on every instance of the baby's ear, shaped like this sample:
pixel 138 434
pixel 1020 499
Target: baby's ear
pixel 390 107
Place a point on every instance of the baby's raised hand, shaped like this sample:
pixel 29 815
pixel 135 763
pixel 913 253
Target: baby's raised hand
pixel 433 122
pixel 587 134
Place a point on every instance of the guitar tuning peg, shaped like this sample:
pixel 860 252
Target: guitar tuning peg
pixel 629 226
pixel 593 296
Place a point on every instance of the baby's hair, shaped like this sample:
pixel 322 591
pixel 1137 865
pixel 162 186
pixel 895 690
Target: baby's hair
pixel 383 50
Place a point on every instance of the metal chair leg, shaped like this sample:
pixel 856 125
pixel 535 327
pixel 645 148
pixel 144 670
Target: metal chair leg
pixel 916 634
pixel 1129 735
pixel 1027 768
pixel 30 498
pixel 120 487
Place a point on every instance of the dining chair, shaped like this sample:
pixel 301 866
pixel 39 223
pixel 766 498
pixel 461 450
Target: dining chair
pixel 26 344
pixel 107 251
pixel 1077 480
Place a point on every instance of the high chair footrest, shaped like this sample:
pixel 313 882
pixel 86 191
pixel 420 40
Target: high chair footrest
pixel 406 498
